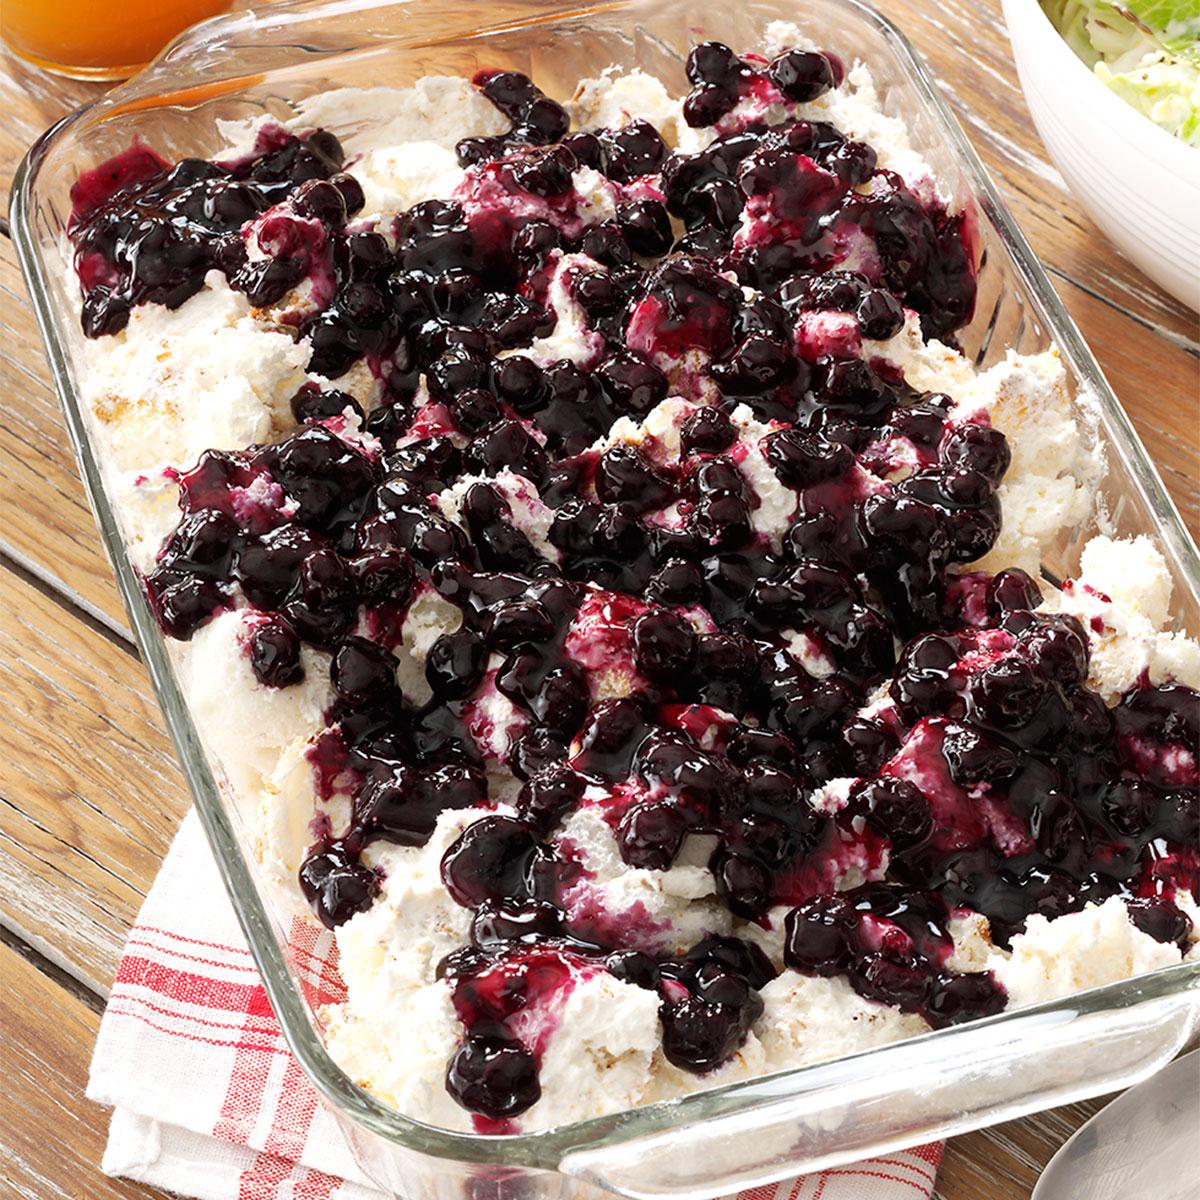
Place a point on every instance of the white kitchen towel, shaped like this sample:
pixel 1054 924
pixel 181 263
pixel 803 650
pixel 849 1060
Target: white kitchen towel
pixel 208 1102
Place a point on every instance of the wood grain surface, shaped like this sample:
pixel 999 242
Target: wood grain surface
pixel 89 789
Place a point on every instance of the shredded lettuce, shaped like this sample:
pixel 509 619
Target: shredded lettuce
pixel 1147 51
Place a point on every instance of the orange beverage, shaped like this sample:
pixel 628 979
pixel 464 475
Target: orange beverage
pixel 97 39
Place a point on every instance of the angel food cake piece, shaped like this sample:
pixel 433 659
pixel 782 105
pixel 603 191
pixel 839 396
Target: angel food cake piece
pixel 611 599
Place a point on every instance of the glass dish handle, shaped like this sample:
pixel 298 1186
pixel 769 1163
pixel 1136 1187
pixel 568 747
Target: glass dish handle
pixel 228 53
pixel 898 1097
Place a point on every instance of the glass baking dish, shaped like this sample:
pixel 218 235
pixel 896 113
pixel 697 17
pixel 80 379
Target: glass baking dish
pixel 745 1134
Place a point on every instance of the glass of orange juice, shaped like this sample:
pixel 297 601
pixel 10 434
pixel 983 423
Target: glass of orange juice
pixel 97 39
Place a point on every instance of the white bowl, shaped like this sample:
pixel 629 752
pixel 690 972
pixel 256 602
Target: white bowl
pixel 1138 183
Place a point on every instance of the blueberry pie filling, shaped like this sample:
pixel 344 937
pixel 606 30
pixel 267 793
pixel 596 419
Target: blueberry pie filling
pixel 618 600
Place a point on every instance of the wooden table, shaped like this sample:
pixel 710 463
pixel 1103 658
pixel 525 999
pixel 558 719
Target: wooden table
pixel 89 788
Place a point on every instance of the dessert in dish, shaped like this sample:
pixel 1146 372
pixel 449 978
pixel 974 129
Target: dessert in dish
pixel 612 600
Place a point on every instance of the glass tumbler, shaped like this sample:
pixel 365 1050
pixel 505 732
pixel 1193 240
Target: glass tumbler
pixel 97 39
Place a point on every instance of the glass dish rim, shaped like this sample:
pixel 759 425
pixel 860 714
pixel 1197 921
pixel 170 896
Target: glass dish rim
pixel 545 1148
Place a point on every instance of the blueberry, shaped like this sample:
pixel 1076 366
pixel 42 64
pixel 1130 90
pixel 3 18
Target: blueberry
pixel 494 1076
pixel 633 385
pixel 311 403
pixel 646 226
pixel 854 164
pixel 275 654
pixel 897 809
pixel 1007 694
pixel 880 315
pixel 624 477
pixel 384 574
pixel 183 605
pixel 1011 591
pixel 562 700
pixel 607 245
pixel 545 172
pixel 202 544
pixel 722 521
pixel 518 380
pixel 713 62
pixel 664 646
pixel 510 91
pixel 1159 918
pixel 634 150
pixel 336 885
pixel 491 859
pixel 714 206
pixel 706 431
pixel 455 663
pixel 650 835
pixel 837 291
pixel 1129 806
pixel 321 605
pixel 677 582
pixel 586 148
pixel 975 757
pixel 803 459
pixel 748 745
pixel 756 365
pixel 979 447
pixel 351 192
pixel 322 474
pixel 924 683
pixel 817 935
pixel 802 75
pixel 614 730
pixel 471 151
pixel 744 883
pixel 536 750
pixel 526 921
pixel 546 797
pixel 699 1035
pixel 519 621
pixel 704 106
pixel 596 293
pixel 958 998
pixel 901 981
pixel 362 671
pixel 547 118
pixel 868 745
pixel 534 241
pixel 269 566
pixel 1058 647
pixel 635 967
pixel 321 199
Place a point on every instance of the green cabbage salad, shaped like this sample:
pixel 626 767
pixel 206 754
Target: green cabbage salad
pixel 1147 51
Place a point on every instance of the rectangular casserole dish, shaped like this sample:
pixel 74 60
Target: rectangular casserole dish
pixel 745 1134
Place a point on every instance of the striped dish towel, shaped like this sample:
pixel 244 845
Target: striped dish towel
pixel 208 1102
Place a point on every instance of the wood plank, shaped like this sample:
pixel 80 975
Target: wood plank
pixel 54 1138
pixel 1003 1163
pixel 48 524
pixel 1156 381
pixel 31 101
pixel 89 791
